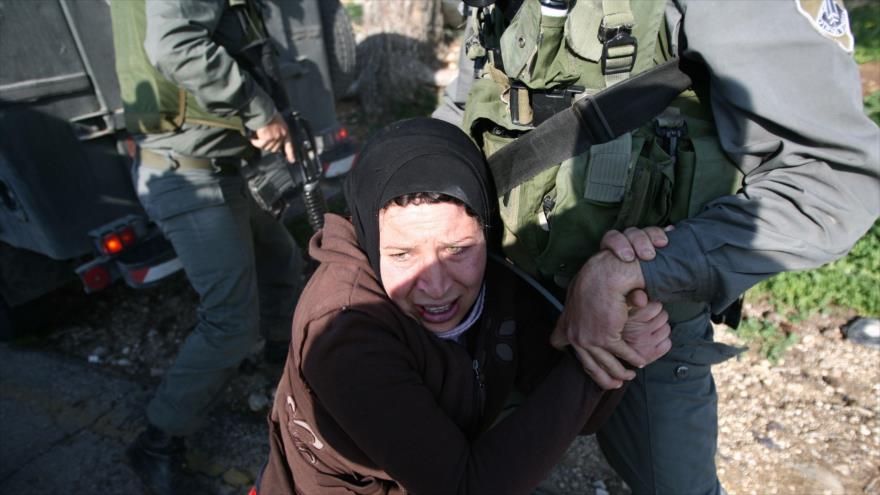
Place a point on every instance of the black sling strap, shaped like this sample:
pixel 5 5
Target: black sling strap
pixel 594 119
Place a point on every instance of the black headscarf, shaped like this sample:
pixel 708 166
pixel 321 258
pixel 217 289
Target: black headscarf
pixel 413 156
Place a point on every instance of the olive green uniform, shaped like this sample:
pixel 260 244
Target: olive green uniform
pixel 243 264
pixel 785 95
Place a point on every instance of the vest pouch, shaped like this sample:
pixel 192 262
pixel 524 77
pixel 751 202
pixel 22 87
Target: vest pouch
pixel 577 222
pixel 703 172
pixel 534 51
pixel 519 41
pixel 523 237
pixel 582 28
pixel 648 198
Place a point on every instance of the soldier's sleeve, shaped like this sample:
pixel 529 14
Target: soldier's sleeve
pixel 180 44
pixel 787 102
pixel 451 107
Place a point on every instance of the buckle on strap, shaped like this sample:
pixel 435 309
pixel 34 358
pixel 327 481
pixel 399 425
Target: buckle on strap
pixel 173 163
pixel 669 127
pixel 542 103
pixel 619 47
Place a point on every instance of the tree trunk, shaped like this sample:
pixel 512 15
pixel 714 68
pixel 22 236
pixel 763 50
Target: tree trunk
pixel 398 56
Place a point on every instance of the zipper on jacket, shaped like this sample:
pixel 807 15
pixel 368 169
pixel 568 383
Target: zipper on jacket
pixel 479 390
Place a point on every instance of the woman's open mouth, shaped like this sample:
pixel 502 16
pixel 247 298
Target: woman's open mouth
pixel 438 313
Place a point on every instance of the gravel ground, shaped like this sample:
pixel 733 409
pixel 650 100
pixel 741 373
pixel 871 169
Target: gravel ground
pixel 805 425
pixel 809 423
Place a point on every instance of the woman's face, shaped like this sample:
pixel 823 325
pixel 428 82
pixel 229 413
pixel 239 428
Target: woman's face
pixel 432 258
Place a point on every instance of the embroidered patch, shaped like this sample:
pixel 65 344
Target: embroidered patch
pixel 830 18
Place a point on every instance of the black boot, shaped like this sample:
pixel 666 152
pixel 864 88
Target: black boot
pixel 159 459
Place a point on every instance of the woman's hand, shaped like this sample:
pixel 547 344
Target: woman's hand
pixel 647 331
pixel 609 320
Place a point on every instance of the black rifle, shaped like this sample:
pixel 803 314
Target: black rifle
pixel 309 167
pixel 273 186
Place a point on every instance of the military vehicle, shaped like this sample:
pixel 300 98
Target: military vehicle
pixel 67 204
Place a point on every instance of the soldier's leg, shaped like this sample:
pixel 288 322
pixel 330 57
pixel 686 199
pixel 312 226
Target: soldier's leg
pixel 208 224
pixel 279 274
pixel 662 437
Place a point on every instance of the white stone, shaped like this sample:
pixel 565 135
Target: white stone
pixel 257 402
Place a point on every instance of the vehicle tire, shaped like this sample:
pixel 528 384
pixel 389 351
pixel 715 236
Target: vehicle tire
pixel 340 46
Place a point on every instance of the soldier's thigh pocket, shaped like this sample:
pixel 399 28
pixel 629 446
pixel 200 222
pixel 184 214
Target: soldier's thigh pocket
pixel 175 193
pixel 693 352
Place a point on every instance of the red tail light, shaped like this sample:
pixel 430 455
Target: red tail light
pixel 111 243
pixel 342 133
pixel 96 278
pixel 127 236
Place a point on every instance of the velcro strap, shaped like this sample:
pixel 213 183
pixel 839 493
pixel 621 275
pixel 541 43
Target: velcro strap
pixel 608 170
pixel 629 104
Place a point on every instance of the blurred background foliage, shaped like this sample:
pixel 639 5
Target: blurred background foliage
pixel 865 21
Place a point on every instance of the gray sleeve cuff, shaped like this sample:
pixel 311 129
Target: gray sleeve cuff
pixel 259 111
pixel 681 271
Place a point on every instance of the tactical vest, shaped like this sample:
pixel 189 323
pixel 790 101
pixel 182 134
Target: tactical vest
pixel 151 102
pixel 661 173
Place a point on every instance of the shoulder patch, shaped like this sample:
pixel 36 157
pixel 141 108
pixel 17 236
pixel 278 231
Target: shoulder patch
pixel 830 19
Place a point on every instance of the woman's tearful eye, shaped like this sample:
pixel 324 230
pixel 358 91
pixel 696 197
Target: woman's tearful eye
pixel 400 257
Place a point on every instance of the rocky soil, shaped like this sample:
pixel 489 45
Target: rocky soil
pixel 805 425
pixel 809 424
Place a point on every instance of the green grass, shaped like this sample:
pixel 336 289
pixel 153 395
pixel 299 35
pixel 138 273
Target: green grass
pixel 865 23
pixel 355 12
pixel 766 338
pixel 872 106
pixel 851 282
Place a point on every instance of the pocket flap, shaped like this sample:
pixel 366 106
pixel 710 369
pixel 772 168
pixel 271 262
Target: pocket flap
pixel 519 42
pixel 582 29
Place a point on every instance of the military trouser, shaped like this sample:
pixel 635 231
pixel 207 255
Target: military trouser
pixel 246 269
pixel 662 437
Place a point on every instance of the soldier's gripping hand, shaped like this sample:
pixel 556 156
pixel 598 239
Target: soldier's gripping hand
pixel 274 137
pixel 598 306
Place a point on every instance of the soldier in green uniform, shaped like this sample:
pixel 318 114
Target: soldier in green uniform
pixel 191 101
pixel 770 165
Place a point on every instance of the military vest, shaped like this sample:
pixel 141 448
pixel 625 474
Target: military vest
pixel 151 102
pixel 663 172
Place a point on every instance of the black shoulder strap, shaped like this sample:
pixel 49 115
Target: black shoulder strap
pixel 595 119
